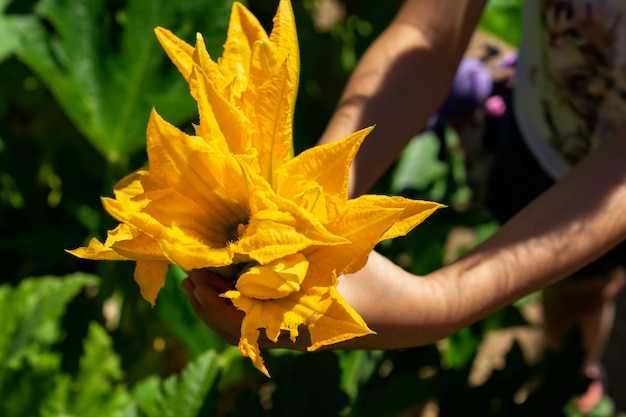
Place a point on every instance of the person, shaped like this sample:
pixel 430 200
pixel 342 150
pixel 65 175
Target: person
pixel 560 185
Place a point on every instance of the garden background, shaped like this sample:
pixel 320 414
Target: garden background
pixel 79 78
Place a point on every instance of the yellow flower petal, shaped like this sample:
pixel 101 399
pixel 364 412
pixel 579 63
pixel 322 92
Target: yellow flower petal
pixel 274 280
pixel 252 351
pixel 130 186
pixel 141 247
pixel 180 226
pixel 273 235
pixel 99 251
pixel 366 221
pixel 96 250
pixel 278 227
pixel 150 276
pixel 337 323
pixel 285 36
pixel 155 212
pixel 328 165
pixel 363 226
pixel 264 61
pixel 179 51
pixel 202 60
pixel 273 117
pixel 414 213
pixel 186 238
pixel 195 168
pixel 190 254
pixel 332 319
pixel 184 56
pixel 222 124
pixel 311 197
pixel 243 30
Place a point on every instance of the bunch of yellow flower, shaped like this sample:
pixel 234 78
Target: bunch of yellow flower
pixel 234 195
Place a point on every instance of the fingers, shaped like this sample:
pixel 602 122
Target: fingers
pixel 220 314
pixel 203 290
pixel 205 277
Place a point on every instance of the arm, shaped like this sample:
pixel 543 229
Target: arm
pixel 401 81
pixel 574 222
pixel 397 85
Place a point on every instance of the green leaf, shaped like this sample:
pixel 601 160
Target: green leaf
pixel 148 395
pixel 503 18
pixel 28 389
pixel 95 391
pixel 104 66
pixel 8 27
pixel 419 165
pixel 357 368
pixel 31 314
pixel 459 349
pixel 178 396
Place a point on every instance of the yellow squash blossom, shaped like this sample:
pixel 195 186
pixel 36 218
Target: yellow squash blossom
pixel 233 197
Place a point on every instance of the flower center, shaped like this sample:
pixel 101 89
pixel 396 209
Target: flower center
pixel 235 232
pixel 241 230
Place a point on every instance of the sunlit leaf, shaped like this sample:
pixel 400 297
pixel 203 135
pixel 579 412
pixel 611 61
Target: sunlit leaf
pixel 104 66
pixel 9 25
pixel 96 390
pixel 31 313
pixel 179 395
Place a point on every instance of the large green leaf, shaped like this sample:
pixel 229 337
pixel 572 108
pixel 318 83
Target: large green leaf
pixel 8 26
pixel 96 390
pixel 178 396
pixel 31 324
pixel 101 61
pixel 31 313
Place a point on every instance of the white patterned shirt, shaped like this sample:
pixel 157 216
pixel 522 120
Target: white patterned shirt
pixel 571 78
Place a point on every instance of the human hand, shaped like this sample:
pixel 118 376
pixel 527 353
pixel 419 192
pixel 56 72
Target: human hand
pixel 203 288
pixel 404 310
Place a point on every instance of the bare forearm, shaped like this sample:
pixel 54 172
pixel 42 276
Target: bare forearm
pixel 576 221
pixel 573 223
pixel 392 101
pixel 401 81
pixel 403 309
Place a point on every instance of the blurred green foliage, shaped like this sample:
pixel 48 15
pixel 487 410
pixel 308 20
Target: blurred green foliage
pixel 79 78
pixel 502 18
